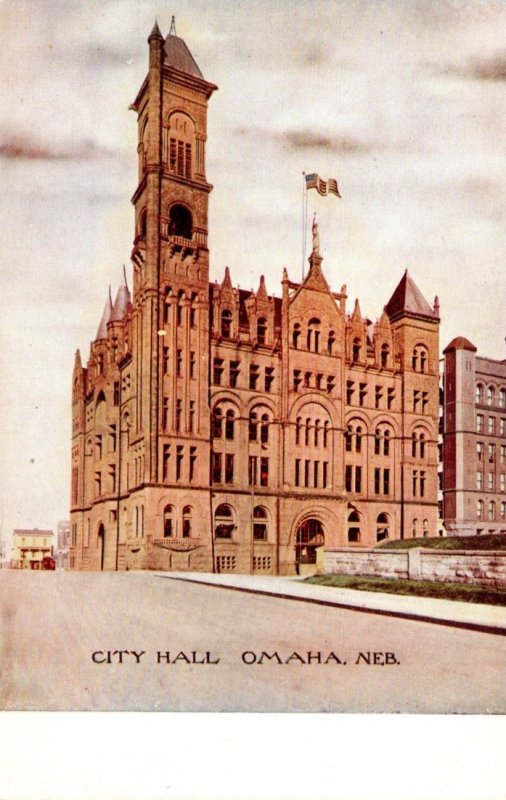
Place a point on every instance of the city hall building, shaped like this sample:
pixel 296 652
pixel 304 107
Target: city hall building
pixel 218 429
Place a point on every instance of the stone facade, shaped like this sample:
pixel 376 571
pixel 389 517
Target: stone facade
pixel 219 429
pixel 474 443
pixel 487 568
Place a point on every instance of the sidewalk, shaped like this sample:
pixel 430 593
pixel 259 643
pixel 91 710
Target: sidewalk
pixel 474 616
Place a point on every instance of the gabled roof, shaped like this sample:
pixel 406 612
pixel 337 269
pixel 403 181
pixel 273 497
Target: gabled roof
pixel 178 56
pixel 408 299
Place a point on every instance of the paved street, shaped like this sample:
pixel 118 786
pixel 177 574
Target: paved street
pixel 227 650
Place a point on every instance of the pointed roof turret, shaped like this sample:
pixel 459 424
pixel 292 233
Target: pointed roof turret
pixel 227 283
pixel 177 54
pixel 357 314
pixel 408 299
pixel 106 316
pixel 77 361
pixel 155 33
pixel 262 291
pixel 121 304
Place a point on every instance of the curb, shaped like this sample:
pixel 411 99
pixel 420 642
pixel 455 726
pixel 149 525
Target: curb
pixel 471 626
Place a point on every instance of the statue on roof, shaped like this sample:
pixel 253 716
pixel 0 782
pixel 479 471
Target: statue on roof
pixel 316 237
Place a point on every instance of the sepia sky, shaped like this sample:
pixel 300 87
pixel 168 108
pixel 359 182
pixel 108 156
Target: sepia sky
pixel 403 102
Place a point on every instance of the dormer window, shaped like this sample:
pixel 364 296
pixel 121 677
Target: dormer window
pixel 226 323
pixel 261 330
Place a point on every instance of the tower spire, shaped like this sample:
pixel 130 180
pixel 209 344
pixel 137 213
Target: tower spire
pixel 172 31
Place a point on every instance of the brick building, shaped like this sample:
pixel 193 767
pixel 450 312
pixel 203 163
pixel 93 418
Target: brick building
pixel 220 429
pixel 474 443
pixel 30 546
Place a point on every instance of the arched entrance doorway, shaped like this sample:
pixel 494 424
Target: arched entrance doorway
pixel 310 536
pixel 101 545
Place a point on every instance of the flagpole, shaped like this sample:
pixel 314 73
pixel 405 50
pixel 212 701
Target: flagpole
pixel 304 216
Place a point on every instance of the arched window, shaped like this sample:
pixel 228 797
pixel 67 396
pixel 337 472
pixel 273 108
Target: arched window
pixel 226 323
pixel 262 330
pixel 223 522
pixel 502 398
pixel 180 221
pixel 326 428
pixel 382 527
pixel 260 524
pixel 480 508
pixel 382 441
pixel 229 424
pixel 317 433
pixel 313 335
pixel 355 351
pixel 331 342
pixel 354 527
pixel 348 439
pixel 168 521
pixel 421 445
pixel 491 510
pixel 479 394
pixel 358 439
pixel 425 528
pixel 307 431
pixel 187 522
pixel 181 144
pixel 385 351
pixel 415 528
pixel 217 423
pixel 295 335
pixel 143 218
pixel 490 396
pixel 264 429
pixel 298 425
pixel 253 425
pixel 420 358
pixel 310 536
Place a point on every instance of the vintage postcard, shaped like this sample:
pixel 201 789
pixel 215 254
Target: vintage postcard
pixel 252 297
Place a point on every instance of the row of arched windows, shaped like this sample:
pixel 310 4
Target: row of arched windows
pixel 226 327
pixel 225 522
pixel 311 432
pixel 170 522
pixel 223 425
pixel 354 526
pixel 382 438
pixel 492 396
pixel 491 510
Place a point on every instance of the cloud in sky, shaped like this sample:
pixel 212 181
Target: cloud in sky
pixel 21 146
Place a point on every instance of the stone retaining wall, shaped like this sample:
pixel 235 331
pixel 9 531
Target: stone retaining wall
pixel 459 566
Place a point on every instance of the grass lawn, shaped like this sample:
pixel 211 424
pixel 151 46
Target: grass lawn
pixel 496 541
pixel 469 593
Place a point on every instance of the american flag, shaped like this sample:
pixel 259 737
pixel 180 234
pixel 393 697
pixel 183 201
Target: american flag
pixel 314 181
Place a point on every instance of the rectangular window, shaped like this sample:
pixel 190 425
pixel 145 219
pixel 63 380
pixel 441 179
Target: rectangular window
pixel 98 447
pixel 377 480
pixel 264 471
pixel 316 468
pixel 306 473
pixel 491 425
pixel 386 481
pixel 307 380
pixel 217 371
pixel 422 484
pixel 491 453
pixel 415 483
pixel 297 471
pixel 378 396
pixel 502 427
pixel 479 480
pixel 491 482
pixel 191 416
pixel 479 423
pixel 229 468
pixel 193 459
pixel 330 384
pixel 350 389
pixel 252 470
pixel 165 413
pixel 166 461
pixel 503 454
pixel 180 158
pixel 479 450
pixel 502 482
pixel 348 477
pixel 98 484
pixel 358 479
pixel 254 372
pixel 216 467
pixel 234 373
pixel 178 415
pixel 297 380
pixel 325 474
pixel 172 154
pixel 192 364
pixel 179 363
pixel 416 400
pixel 425 402
pixel 188 160
pixel 165 360
pixel 390 398
pixel 116 393
pixel 269 378
pixel 179 461
pixel 318 380
pixel 362 393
